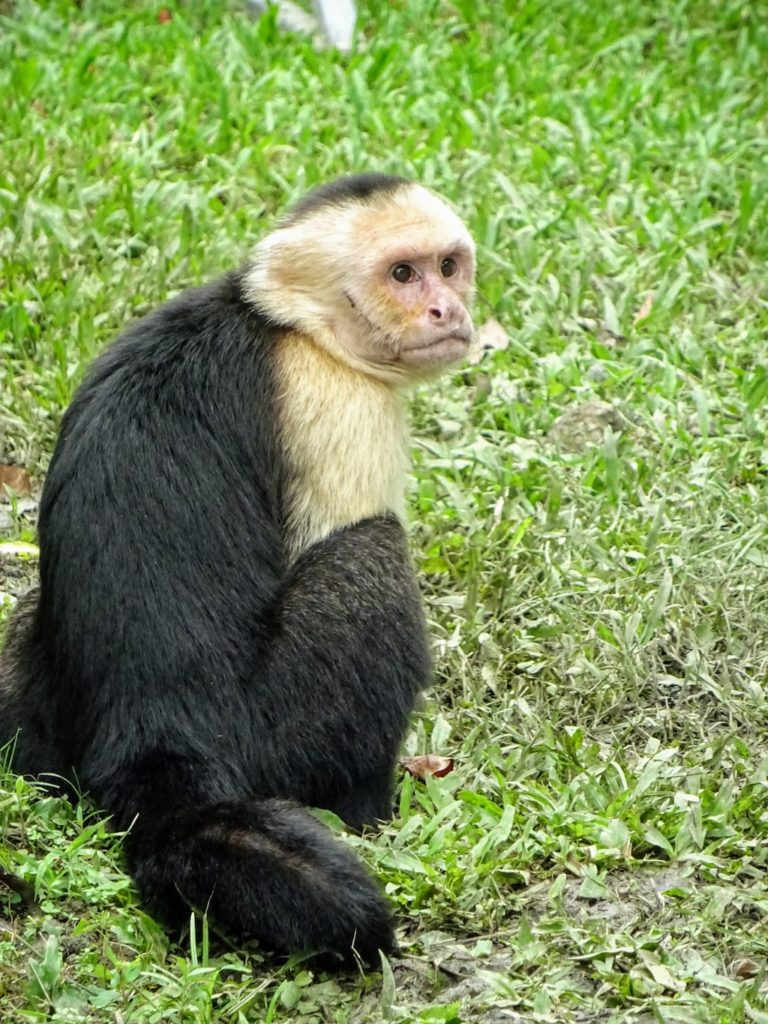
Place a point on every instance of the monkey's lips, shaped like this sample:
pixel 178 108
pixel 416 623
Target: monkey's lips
pixel 439 351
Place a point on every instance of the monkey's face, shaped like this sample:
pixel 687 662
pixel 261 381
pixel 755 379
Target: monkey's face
pixel 384 285
pixel 408 298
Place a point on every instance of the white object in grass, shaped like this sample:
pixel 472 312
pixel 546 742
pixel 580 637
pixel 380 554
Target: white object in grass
pixel 336 19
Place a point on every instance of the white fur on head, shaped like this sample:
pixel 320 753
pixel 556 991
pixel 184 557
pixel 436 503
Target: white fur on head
pixel 322 272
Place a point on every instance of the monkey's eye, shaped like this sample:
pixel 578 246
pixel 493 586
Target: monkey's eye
pixel 403 273
pixel 449 267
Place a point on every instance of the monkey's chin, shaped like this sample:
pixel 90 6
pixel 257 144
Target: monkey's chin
pixel 433 355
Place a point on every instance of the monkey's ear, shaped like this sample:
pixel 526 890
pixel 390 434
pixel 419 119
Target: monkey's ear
pixel 288 280
pixel 299 273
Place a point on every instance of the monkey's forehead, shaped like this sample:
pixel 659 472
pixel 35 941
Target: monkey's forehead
pixel 411 218
pixel 417 217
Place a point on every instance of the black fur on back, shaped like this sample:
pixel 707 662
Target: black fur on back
pixel 358 188
pixel 174 665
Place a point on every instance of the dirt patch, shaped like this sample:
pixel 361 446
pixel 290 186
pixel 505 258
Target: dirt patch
pixel 17 573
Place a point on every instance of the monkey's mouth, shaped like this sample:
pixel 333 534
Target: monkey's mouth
pixel 462 336
pixel 439 351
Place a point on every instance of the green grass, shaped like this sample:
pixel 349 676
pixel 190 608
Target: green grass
pixel 600 617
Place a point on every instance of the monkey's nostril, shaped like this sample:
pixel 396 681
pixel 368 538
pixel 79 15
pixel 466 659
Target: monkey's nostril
pixel 435 313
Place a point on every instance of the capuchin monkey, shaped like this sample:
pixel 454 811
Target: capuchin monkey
pixel 227 627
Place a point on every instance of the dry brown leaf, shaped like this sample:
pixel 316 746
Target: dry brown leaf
pixel 744 968
pixel 15 478
pixel 427 764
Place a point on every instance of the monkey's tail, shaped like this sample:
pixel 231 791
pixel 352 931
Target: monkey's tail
pixel 264 869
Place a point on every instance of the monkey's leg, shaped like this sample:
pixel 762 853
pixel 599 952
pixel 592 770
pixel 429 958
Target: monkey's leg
pixel 348 661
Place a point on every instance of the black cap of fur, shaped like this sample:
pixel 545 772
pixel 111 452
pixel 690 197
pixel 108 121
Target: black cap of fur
pixel 355 188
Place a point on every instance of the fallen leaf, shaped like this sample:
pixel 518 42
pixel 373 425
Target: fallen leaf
pixel 427 764
pixel 164 15
pixel 645 310
pixel 744 968
pixel 489 337
pixel 665 978
pixel 16 478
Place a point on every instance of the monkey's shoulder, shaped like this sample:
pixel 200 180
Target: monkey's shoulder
pixel 198 330
pixel 187 393
pixel 205 357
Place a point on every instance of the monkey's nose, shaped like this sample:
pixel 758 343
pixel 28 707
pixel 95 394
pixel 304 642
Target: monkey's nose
pixel 446 315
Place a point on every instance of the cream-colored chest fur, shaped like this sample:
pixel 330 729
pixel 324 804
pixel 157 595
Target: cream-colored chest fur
pixel 345 441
